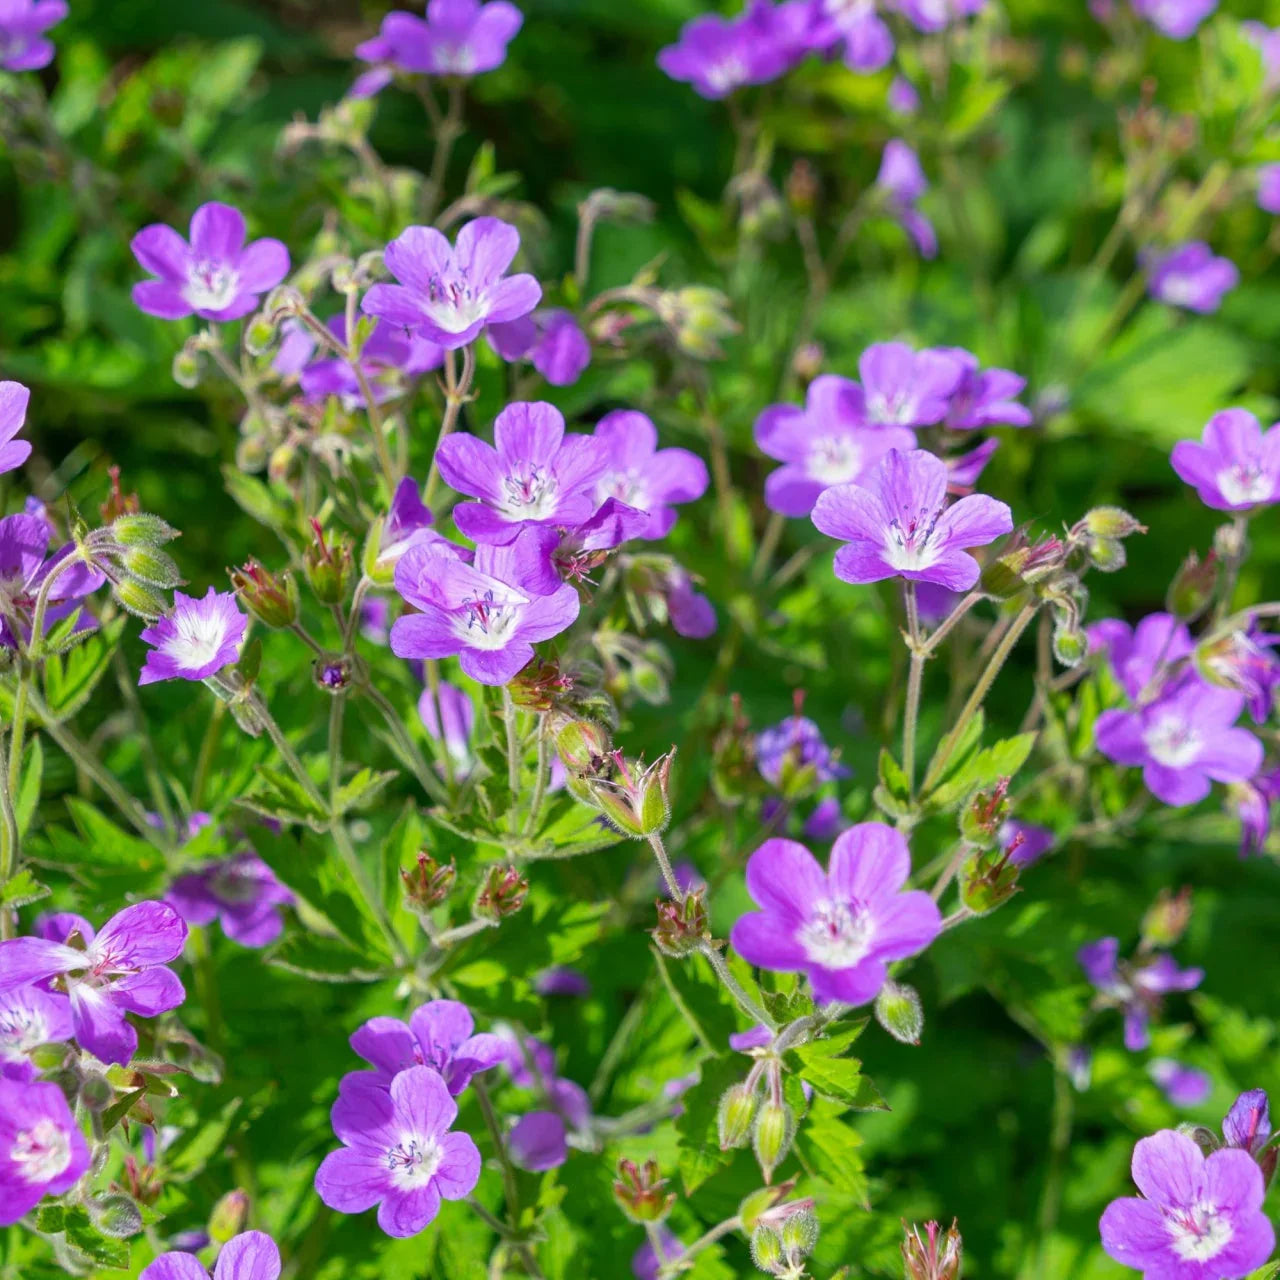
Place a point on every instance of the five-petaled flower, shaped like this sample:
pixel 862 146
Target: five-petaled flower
pixel 1235 465
pixel 252 1255
pixel 42 1151
pixel 23 46
pixel 639 474
pixel 196 638
pixel 841 926
pixel 1191 276
pixel 1136 989
pixel 241 891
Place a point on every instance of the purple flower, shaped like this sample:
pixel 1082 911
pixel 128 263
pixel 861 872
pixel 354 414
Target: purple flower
pixel 896 524
pixel 398 1152
pixel 1235 466
pixel 42 1151
pixel 120 971
pixel 639 474
pixel 718 55
pixel 903 99
pixel 448 294
pixel 905 388
pixel 450 719
pixel 1134 989
pixel 30 1017
pixel 439 1034
pixel 840 926
pixel 1023 842
pixel 1184 740
pixel 902 180
pixel 757 1037
pixel 825 822
pixel 22 27
pixel 553 340
pixel 793 746
pixel 458 38
pixel 1253 801
pixel 1269 188
pixel 855 27
pixel 1176 19
pixel 195 639
pixel 562 981
pixel 1247 1126
pixel 13 413
pixel 965 469
pixel 388 355
pixel 252 1255
pixel 827 442
pixel 692 615
pixel 984 397
pixel 1267 40
pixel 536 475
pixel 647 1261
pixel 935 15
pixel 483 613
pixel 529 1062
pixel 1136 654
pixel 1245 661
pixel 537 1141
pixel 240 891
pixel 217 276
pixel 1184 1086
pixel 1191 277
pixel 24 543
pixel 1200 1219
pixel 408 524
pixel 297 346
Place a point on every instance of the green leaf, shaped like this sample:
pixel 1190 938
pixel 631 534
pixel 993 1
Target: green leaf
pixel 70 678
pixel 121 1108
pixel 83 1235
pixel 1000 760
pixel 363 789
pixel 836 1077
pixel 829 1149
pixel 29 791
pixel 281 796
pixel 22 890
pixel 325 960
pixel 892 776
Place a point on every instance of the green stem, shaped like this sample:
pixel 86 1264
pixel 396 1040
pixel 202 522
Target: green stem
pixel 412 757
pixel 734 987
pixel 664 865
pixel 9 839
pixel 1059 1145
pixel 207 747
pixel 915 681
pixel 449 129
pixel 150 763
pixel 509 1184
pixel 540 782
pixel 513 749
pixel 456 391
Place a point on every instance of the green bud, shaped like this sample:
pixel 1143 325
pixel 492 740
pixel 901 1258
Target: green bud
pixel 774 1128
pixel 260 335
pixel 1167 919
pixel 899 1012
pixel 986 881
pixel 734 1115
pixel 799 1235
pixel 139 600
pixel 1070 644
pixel 328 565
pixel 1194 587
pixel 229 1216
pixel 766 1249
pixel 1107 554
pixel 582 745
pixel 114 1215
pixel 186 369
pixel 146 564
pixel 140 529
pixel 97 1092
pixel 1111 522
pixel 272 598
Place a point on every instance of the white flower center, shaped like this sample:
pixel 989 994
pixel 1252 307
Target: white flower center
pixel 413 1163
pixel 838 934
pixel 488 623
pixel 1198 1233
pixel 21 1030
pixel 626 486
pixel 911 545
pixel 235 884
pixel 211 286
pixel 849 12
pixel 728 73
pixel 197 638
pixel 1243 483
pixel 41 1153
pixel 835 459
pixel 454 303
pixel 897 409
pixel 456 59
pixel 1180 290
pixel 1172 741
pixel 531 496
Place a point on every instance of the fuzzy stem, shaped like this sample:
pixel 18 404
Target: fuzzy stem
pixel 664 865
pixel 734 987
pixel 456 391
pixel 915 681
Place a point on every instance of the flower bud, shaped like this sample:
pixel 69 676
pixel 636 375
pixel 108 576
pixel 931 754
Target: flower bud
pixel 697 316
pixel 539 685
pixel 931 1256
pixel 272 598
pixel 802 188
pixel 734 1115
pixel 899 1012
pixel 332 674
pixel 1106 554
pixel 1070 643
pixel 1194 587
pixel 114 1215
pixel 133 528
pixel 799 1233
pixel 139 600
pixel 328 564
pixel 229 1216
pixel 766 1249
pixel 987 880
pixel 186 369
pixel 641 1192
pixel 983 814
pixel 428 883
pixel 806 364
pixel 97 1092
pixel 1230 542
pixel 119 504
pixel 771 1137
pixel 502 893
pixel 582 745
pixel 152 566
pixel 260 334
pixel 616 206
pixel 1167 919
pixel 634 801
pixel 1110 522
pixel 682 925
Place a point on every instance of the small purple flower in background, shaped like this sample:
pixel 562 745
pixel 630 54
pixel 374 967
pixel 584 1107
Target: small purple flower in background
pixel 1200 1217
pixel 22 27
pixel 195 639
pixel 562 981
pixel 1184 741
pixel 1235 466
pixel 825 822
pixel 440 1034
pixel 241 892
pixel 533 474
pixel 984 397
pixel 896 524
pixel 1247 1126
pixel 794 746
pixel 903 182
pixel 30 1017
pixel 1023 842
pixel 1253 802
pixel 25 564
pixel 1245 661
pixel 1267 40
pixel 120 971
pixel 825 443
pixel 528 1062
pixel 448 294
pixel 692 615
pixel 388 355
pixel 639 474
pixel 297 346
pixel 965 469
pixel 408 524
pixel 839 926
pixel 216 277
pixel 252 1255
pixel 1134 989
pixel 1269 188
pixel 717 55
pixel 648 1261
pixel 905 388
pixel 903 98
pixel 1177 19
pixel 1184 1086
pixel 855 28
pixel 1191 277
pixel 398 1153
pixel 935 15
pixel 1158 642
pixel 13 413
pixel 757 1037
pixel 449 718
pixel 537 1142
pixel 42 1151
pixel 481 613
pixel 552 340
